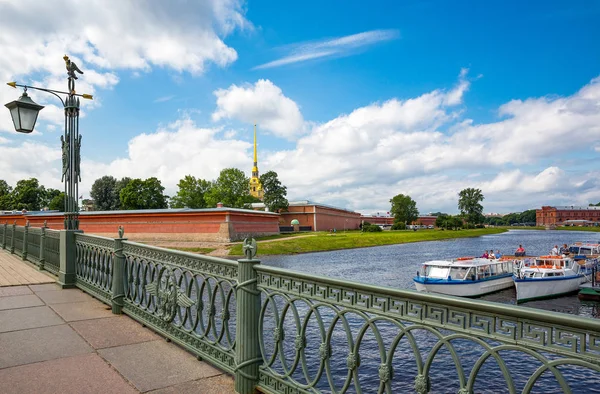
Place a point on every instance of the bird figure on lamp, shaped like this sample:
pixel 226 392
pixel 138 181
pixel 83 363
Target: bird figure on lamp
pixel 71 67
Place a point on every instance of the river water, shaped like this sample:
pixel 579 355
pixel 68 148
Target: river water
pixel 395 266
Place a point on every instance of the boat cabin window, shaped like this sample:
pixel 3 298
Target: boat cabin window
pixel 534 275
pixel 585 251
pixel 433 271
pixel 459 273
pixel 483 271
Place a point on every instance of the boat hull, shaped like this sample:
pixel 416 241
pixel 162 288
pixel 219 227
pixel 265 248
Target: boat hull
pixel 465 288
pixel 539 288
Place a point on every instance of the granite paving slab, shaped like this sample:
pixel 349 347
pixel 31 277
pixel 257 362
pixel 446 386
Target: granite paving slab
pixel 63 296
pixel 222 384
pixel 40 344
pixel 27 318
pixel 113 331
pixel 82 310
pixel 14 291
pixel 20 301
pixel 88 374
pixel 156 364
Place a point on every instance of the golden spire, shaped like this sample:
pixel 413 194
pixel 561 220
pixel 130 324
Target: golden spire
pixel 255 167
pixel 255 186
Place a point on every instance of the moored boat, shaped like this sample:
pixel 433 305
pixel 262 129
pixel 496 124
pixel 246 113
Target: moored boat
pixel 465 276
pixel 547 277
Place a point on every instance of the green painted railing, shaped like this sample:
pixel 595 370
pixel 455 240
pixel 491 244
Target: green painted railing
pixel 288 332
pixel 187 297
pixel 52 251
pixel 322 334
pixel 39 245
pixel 93 267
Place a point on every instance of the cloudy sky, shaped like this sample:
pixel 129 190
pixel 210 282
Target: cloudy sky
pixel 354 104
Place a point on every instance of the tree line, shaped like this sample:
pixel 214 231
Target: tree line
pixel 30 195
pixel 404 210
pixel 109 194
pixel 230 188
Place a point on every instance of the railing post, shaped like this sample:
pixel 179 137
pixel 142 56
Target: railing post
pixel 68 258
pixel 12 238
pixel 118 274
pixel 247 348
pixel 42 247
pixel 25 236
pixel 4 235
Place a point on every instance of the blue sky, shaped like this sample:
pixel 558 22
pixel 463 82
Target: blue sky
pixel 354 104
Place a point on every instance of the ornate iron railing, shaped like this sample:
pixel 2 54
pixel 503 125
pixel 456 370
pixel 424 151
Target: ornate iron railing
pixel 321 334
pixel 8 239
pixel 290 332
pixel 52 251
pixel 186 297
pixel 94 264
pixel 19 237
pixel 34 239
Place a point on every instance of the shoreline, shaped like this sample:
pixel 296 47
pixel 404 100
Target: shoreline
pixel 325 242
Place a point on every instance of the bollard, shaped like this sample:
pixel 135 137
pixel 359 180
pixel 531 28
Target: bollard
pixel 118 274
pixel 68 255
pixel 247 350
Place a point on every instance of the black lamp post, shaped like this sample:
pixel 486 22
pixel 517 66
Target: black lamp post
pixel 24 113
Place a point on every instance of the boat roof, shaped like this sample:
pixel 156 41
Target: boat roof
pixel 586 244
pixel 467 262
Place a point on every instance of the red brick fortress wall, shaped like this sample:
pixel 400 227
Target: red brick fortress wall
pixel 211 225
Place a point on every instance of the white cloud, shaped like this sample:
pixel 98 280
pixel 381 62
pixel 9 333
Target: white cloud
pixel 179 35
pixel 263 103
pixel 172 152
pixel 377 151
pixel 339 46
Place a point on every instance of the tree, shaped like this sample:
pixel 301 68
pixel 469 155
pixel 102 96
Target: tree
pixel 143 194
pixel 49 196
pixel 57 203
pixel 441 220
pixel 231 189
pixel 191 193
pixel 28 194
pixel 120 185
pixel 469 205
pixel 404 209
pixel 274 192
pixel 5 196
pixel 104 193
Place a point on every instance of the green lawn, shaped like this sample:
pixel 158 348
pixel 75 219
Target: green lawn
pixel 323 241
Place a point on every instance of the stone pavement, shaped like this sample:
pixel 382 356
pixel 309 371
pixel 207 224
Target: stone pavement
pixel 14 271
pixel 64 341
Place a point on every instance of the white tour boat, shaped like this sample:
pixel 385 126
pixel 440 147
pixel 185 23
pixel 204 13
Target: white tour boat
pixel 586 254
pixel 465 276
pixel 547 277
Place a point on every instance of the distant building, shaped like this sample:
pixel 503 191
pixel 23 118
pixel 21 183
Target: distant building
pixel 569 215
pixel 425 220
pixel 256 189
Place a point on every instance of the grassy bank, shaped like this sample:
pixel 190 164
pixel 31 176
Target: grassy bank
pixel 323 241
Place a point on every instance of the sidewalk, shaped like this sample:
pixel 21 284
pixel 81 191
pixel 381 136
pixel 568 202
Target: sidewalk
pixel 65 341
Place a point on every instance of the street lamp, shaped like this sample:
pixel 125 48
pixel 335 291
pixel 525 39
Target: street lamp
pixel 24 112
